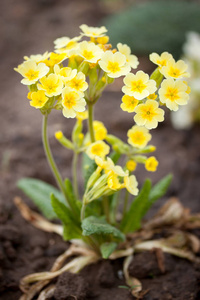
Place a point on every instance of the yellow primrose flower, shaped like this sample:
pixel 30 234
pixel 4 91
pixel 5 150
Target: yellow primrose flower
pixel 38 99
pixel 151 164
pixel 31 71
pixel 52 85
pixel 160 60
pixel 72 102
pixel 113 182
pixel 100 130
pixel 130 183
pixel 78 83
pixel 98 148
pixel 90 52
pixel 175 69
pixel 129 103
pixel 131 165
pixel 81 116
pixel 65 73
pixel 93 31
pixel 148 114
pixel 55 59
pixel 29 95
pixel 173 93
pixel 152 96
pixel 138 136
pixel 38 57
pixel 138 85
pixel 110 167
pixel 66 43
pixel 114 64
pixel 131 59
pixel 103 40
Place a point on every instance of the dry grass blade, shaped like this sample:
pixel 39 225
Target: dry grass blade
pixel 170 213
pixel 74 266
pixel 36 219
pixel 134 283
pixel 47 293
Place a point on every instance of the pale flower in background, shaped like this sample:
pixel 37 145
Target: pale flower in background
pixel 93 31
pixel 148 114
pixel 31 71
pixel 138 85
pixel 131 59
pixel 173 93
pixel 160 60
pixel 90 52
pixel 114 64
pixel 72 102
pixel 51 84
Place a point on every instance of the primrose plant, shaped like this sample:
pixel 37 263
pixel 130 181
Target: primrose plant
pixel 72 79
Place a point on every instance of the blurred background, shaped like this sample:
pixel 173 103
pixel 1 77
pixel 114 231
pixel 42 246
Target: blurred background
pixel 30 27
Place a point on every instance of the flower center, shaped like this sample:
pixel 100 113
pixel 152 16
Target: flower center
pixel 174 72
pixel 88 54
pixel 76 84
pixel 32 75
pixel 97 150
pixel 172 94
pixel 138 86
pixel 69 101
pixel 113 67
pixel 137 138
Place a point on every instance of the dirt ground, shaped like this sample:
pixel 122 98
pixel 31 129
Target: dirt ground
pixel 30 27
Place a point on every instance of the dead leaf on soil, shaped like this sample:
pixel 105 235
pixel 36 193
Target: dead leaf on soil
pixel 36 219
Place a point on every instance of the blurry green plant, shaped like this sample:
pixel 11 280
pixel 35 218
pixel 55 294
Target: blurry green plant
pixel 155 26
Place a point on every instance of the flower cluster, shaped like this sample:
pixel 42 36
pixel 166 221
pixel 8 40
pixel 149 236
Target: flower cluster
pixel 75 75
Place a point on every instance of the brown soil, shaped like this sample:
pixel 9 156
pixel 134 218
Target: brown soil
pixel 29 27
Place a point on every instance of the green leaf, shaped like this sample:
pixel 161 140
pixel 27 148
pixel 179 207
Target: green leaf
pixel 71 228
pixel 88 166
pixel 115 156
pixel 132 219
pixel 107 249
pixel 99 226
pixel 158 190
pixel 94 208
pixel 39 192
pixel 72 198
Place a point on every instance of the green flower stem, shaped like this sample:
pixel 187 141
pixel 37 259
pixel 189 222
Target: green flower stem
pixel 90 121
pixel 49 156
pixel 125 203
pixel 74 172
pixel 83 211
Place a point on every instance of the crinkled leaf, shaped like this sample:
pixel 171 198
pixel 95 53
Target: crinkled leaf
pixel 71 227
pixel 39 192
pixel 107 249
pixel 132 219
pixel 99 226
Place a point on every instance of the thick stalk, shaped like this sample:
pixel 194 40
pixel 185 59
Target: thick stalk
pixel 49 157
pixel 74 172
pixel 90 121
